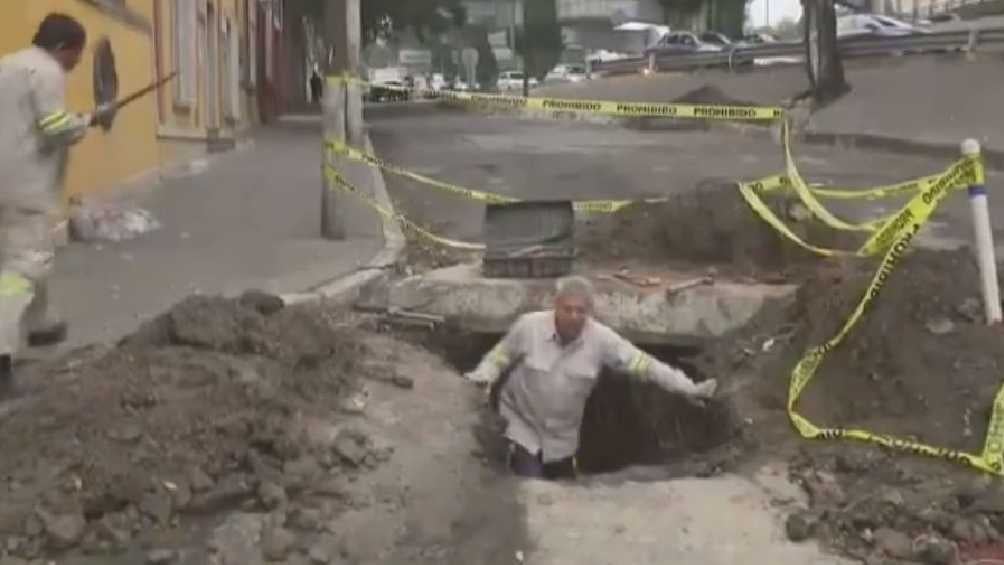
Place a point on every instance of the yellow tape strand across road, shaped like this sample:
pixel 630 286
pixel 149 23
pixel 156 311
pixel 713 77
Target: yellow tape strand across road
pixel 598 107
pixel 591 206
pixel 338 181
pixel 896 236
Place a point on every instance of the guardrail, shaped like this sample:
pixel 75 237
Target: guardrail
pixel 852 47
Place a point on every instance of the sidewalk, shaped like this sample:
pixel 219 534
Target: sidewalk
pixel 252 220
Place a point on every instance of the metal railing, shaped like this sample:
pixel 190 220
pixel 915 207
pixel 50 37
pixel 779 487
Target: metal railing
pixel 852 47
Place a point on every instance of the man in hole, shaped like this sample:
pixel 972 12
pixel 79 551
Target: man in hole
pixel 555 359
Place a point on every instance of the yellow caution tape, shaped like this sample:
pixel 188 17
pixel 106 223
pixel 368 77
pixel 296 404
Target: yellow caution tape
pixel 896 236
pixel 590 206
pixel 602 107
pixel 14 284
pixel 338 181
pixel 782 182
pixel 956 176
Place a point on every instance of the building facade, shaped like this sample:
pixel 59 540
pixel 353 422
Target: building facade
pixel 103 159
pixel 227 55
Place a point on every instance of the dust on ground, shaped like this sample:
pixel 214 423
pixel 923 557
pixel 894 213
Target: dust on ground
pixel 238 431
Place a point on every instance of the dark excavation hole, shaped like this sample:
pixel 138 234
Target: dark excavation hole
pixel 626 422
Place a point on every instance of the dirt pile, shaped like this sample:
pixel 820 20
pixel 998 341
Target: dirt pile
pixel 920 364
pixel 709 224
pixel 216 405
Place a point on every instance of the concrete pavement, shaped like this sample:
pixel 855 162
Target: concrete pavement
pixel 250 221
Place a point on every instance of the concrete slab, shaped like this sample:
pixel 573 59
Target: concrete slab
pixel 642 314
pixel 720 521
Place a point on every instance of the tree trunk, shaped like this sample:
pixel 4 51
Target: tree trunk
pixel 822 57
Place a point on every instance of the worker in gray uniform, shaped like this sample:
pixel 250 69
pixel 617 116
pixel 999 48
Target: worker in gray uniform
pixel 555 358
pixel 36 132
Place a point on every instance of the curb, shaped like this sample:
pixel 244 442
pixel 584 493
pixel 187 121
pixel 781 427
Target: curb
pixel 347 289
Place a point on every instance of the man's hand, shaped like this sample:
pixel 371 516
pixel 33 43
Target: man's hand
pixel 703 392
pixel 102 114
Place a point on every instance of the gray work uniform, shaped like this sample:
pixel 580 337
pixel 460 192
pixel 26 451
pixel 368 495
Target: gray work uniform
pixel 545 396
pixel 35 134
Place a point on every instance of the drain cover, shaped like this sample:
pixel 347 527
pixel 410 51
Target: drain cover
pixel 529 239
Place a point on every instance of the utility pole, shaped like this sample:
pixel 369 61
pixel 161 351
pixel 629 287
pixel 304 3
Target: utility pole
pixel 342 105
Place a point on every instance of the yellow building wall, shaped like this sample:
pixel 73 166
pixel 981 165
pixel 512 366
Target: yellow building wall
pixel 102 160
pixel 193 122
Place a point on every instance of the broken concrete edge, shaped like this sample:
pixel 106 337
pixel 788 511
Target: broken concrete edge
pixel 347 289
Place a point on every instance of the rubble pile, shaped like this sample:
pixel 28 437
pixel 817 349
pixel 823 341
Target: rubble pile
pixel 217 406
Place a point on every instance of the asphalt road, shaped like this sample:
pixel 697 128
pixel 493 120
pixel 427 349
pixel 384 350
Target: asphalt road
pixel 543 160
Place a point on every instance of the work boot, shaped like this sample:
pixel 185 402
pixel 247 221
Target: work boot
pixel 50 334
pixel 6 373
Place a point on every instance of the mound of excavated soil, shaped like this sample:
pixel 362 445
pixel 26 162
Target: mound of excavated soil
pixel 920 364
pixel 709 224
pixel 207 407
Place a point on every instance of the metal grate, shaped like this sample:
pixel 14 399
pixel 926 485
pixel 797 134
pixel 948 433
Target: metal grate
pixel 529 239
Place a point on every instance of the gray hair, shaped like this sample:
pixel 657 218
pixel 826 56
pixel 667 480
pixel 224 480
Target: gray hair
pixel 575 286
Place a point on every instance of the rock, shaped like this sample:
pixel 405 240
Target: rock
pixel 892 497
pixel 799 526
pixel 971 310
pixel 161 556
pixel 266 304
pixel 272 496
pixel 157 505
pixel 402 381
pixel 940 326
pixel 893 544
pixel 10 560
pixel 235 541
pixel 114 528
pixel 824 490
pixel 63 531
pixel 228 492
pixel 969 532
pixel 324 550
pixel 302 471
pixel 181 495
pixel 934 550
pixel 351 447
pixel 308 519
pixel 199 480
pixel 126 433
pixel 277 543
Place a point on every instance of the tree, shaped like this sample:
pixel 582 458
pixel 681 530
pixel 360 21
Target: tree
pixel 384 17
pixel 826 70
pixel 539 42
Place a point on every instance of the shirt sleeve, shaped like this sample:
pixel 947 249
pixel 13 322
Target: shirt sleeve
pixel 621 355
pixel 506 353
pixel 57 126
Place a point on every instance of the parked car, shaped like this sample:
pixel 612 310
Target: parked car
pixel 513 80
pixel 874 25
pixel 566 73
pixel 681 42
pixel 759 38
pixel 715 38
pixel 389 91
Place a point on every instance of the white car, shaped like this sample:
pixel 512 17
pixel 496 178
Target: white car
pixel 566 73
pixel 874 25
pixel 513 80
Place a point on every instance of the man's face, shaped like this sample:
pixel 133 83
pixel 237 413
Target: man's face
pixel 68 57
pixel 570 315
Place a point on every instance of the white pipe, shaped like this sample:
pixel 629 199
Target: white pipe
pixel 984 237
